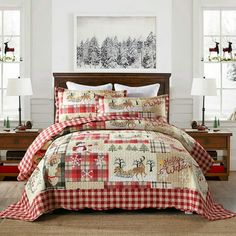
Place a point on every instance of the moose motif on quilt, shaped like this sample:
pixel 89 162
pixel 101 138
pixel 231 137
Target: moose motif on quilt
pixel 139 168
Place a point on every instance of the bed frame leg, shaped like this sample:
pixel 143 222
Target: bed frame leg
pixel 188 213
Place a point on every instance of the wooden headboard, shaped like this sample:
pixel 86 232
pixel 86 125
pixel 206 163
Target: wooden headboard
pixel 130 79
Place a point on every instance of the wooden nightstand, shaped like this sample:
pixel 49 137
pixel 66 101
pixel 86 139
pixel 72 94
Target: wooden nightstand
pixel 14 141
pixel 213 141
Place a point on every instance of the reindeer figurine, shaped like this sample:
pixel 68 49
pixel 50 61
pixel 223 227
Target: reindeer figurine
pixel 7 49
pixel 215 49
pixel 228 50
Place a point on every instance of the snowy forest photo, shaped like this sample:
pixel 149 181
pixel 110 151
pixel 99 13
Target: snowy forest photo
pixel 115 42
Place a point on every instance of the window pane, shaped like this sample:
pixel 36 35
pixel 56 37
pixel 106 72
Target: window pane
pixel 1 52
pixel 212 105
pixel 11 22
pixel 225 45
pixel 210 42
pixel 212 70
pixel 10 70
pixel 10 105
pixel 228 102
pixel 0 22
pixel 229 22
pixel 13 42
pixel 211 22
pixel 229 75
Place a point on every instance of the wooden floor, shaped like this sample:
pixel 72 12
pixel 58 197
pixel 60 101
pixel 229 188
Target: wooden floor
pixel 124 222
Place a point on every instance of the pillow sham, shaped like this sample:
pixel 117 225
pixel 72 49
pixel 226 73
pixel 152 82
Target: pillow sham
pixel 76 104
pixel 155 107
pixel 141 91
pixel 81 87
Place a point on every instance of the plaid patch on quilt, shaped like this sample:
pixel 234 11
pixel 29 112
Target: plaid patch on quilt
pixel 72 103
pixel 159 146
pixel 90 167
pixel 117 167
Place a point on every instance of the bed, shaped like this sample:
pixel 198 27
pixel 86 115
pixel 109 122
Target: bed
pixel 121 157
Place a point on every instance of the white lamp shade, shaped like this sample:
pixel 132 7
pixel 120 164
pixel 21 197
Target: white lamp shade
pixel 19 87
pixel 204 87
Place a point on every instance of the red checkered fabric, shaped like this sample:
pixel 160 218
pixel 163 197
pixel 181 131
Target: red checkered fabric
pixel 81 108
pixel 78 106
pixel 57 90
pixel 122 198
pixel 87 168
pixel 127 184
pixel 198 153
pixel 92 136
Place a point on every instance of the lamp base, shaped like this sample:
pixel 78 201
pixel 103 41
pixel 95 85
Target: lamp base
pixel 202 127
pixel 21 127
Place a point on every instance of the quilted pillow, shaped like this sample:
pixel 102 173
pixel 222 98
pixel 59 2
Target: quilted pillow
pixel 76 104
pixel 155 107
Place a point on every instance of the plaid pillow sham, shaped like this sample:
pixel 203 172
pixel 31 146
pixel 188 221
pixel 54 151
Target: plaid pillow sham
pixel 76 104
pixel 155 107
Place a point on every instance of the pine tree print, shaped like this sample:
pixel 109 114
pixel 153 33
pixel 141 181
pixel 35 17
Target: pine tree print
pixel 143 148
pixel 129 148
pixel 112 148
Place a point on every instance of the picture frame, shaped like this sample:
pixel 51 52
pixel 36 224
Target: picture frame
pixel 115 43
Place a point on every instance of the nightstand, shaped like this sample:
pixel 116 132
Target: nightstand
pixel 214 142
pixel 14 141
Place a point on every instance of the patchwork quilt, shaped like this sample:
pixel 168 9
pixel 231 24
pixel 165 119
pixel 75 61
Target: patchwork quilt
pixel 114 162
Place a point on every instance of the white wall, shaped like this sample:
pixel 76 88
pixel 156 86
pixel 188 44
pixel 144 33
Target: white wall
pixel 62 26
pixel 41 48
pixel 182 48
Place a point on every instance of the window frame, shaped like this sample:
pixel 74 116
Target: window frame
pixel 3 114
pixel 198 45
pixel 25 38
pixel 220 89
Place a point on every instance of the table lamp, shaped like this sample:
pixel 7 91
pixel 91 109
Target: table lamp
pixel 203 87
pixel 19 87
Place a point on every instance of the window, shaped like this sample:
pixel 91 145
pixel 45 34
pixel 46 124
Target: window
pixel 10 38
pixel 219 50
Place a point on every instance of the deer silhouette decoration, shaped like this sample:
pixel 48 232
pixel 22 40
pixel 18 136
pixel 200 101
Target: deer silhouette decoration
pixel 215 49
pixel 7 49
pixel 228 50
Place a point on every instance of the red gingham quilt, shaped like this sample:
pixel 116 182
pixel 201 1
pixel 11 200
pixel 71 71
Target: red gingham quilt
pixel 114 162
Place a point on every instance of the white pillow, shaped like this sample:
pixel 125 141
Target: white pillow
pixel 81 87
pixel 141 91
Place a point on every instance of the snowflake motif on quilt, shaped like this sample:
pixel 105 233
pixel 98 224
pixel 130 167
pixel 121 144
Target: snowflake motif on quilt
pixel 92 167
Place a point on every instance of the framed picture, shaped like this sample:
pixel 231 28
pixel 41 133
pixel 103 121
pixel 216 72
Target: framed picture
pixel 115 43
